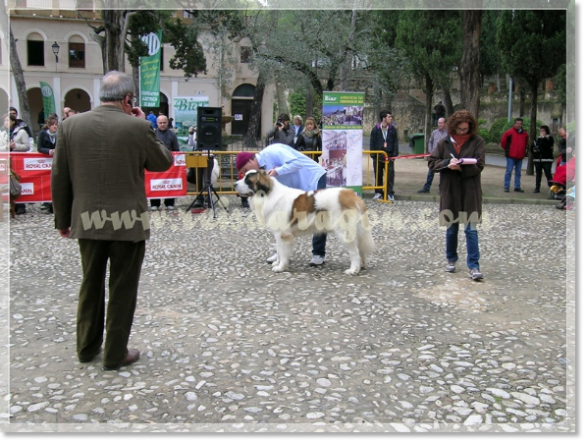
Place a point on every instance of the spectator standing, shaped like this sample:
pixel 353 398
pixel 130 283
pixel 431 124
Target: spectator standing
pixel 438 134
pixel 64 113
pixel 153 119
pixel 563 143
pixel 282 131
pixel 101 171
pixel 19 135
pixel 383 137
pixel 542 157
pixel 46 143
pixel 292 169
pixel 460 188
pixel 22 124
pixel 439 111
pixel 310 138
pixel 297 128
pixel 515 142
pixel 169 139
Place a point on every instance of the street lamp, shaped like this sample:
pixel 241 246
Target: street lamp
pixel 55 47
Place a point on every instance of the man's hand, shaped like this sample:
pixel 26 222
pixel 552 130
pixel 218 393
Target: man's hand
pixel 64 232
pixel 137 112
pixel 272 173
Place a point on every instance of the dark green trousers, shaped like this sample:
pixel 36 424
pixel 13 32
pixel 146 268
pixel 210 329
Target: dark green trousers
pixel 125 265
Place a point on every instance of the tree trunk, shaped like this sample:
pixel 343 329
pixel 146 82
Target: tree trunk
pixel 114 44
pixel 470 62
pixel 522 94
pixel 532 126
pixel 255 113
pixel 309 103
pixel 24 112
pixel 346 65
pixel 448 103
pixel 429 87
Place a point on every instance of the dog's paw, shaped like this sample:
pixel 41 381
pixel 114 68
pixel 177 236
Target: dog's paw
pixel 278 268
pixel 352 271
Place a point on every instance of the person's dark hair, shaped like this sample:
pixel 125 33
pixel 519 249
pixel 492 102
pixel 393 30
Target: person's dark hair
pixel 50 121
pixel 383 114
pixel 12 108
pixel 115 86
pixel 284 117
pixel 545 128
pixel 519 119
pixel 459 117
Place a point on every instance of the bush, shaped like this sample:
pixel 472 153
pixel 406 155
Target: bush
pixel 297 104
pixel 483 132
pixel 501 125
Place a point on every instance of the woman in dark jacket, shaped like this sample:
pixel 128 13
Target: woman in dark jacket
pixel 48 136
pixel 542 157
pixel 459 159
pixel 310 138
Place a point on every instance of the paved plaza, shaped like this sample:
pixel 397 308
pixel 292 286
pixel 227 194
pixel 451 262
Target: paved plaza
pixel 228 345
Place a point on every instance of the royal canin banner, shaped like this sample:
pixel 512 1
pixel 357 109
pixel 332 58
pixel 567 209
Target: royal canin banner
pixel 35 177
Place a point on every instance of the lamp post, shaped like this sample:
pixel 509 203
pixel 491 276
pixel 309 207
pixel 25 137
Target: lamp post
pixel 55 48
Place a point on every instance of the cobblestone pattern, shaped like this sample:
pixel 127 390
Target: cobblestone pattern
pixel 228 345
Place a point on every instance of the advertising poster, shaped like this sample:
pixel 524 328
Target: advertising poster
pixel 150 72
pixel 185 112
pixel 342 138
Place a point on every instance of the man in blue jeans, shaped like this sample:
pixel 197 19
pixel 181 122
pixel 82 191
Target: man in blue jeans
pixel 515 142
pixel 294 169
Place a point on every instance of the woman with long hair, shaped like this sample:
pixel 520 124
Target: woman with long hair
pixel 47 139
pixel 310 138
pixel 459 158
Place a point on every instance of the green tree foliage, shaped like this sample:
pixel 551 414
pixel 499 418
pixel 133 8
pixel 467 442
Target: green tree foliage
pixel 432 41
pixel 533 46
pixel 297 104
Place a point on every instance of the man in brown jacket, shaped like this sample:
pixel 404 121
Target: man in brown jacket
pixel 99 198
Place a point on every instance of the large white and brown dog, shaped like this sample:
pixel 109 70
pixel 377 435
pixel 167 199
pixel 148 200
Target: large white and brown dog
pixel 291 213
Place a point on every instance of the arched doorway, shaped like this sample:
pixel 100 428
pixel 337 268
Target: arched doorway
pixel 3 102
pixel 163 106
pixel 35 103
pixel 241 105
pixel 78 100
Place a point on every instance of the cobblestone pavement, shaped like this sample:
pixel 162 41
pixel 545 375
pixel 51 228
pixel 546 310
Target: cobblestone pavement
pixel 228 345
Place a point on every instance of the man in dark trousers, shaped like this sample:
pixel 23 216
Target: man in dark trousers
pixel 515 142
pixel 383 137
pixel 98 194
pixel 169 139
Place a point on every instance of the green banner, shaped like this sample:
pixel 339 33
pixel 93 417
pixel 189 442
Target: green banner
pixel 150 72
pixel 48 99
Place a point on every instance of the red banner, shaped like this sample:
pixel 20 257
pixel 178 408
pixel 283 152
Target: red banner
pixel 35 171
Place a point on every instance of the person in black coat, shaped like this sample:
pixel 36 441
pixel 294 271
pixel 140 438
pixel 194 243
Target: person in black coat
pixel 383 137
pixel 542 157
pixel 310 138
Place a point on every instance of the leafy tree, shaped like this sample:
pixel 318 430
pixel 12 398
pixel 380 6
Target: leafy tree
pixel 431 40
pixel 533 46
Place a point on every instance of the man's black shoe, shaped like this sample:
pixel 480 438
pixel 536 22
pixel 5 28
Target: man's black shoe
pixel 506 190
pixel 423 191
pixel 519 190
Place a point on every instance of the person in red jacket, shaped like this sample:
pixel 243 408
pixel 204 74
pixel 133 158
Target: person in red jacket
pixel 515 142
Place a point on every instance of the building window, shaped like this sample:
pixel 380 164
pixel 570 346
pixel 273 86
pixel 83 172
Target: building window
pixel 245 52
pixel 36 52
pixel 76 55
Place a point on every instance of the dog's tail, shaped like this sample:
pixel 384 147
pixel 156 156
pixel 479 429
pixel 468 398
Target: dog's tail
pixel 363 231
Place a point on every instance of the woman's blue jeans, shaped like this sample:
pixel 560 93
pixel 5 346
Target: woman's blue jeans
pixel 473 252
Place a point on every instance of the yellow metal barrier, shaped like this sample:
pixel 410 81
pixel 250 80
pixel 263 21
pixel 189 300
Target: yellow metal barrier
pixel 229 174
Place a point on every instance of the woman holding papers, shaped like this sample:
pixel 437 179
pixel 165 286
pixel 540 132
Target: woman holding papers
pixel 459 158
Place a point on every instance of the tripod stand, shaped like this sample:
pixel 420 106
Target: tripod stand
pixel 208 188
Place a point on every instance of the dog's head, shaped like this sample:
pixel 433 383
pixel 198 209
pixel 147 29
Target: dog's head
pixel 254 182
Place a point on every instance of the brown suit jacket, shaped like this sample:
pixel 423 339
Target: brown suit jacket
pixel 97 178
